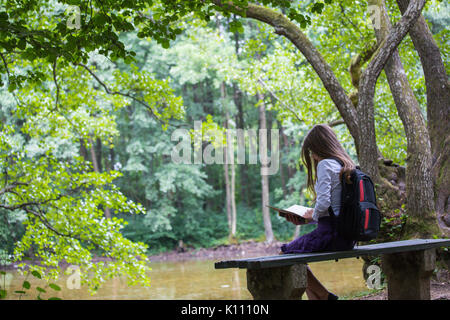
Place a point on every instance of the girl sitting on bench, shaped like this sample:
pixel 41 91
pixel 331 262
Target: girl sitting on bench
pixel 324 180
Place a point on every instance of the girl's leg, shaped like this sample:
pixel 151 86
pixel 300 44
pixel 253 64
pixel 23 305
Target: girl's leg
pixel 315 290
pixel 311 295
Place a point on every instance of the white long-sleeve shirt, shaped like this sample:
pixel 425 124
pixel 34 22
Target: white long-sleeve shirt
pixel 328 188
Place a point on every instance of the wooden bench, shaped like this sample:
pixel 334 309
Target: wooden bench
pixel 408 266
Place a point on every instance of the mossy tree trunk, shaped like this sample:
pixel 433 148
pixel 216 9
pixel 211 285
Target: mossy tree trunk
pixel 438 112
pixel 419 196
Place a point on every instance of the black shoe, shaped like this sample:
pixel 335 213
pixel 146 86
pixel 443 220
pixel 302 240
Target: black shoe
pixel 332 296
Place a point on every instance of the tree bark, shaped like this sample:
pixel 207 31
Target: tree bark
pixel 419 203
pixel 438 112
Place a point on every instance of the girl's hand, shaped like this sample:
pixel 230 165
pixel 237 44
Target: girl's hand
pixel 308 215
pixel 293 219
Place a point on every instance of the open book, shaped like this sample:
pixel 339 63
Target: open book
pixel 294 210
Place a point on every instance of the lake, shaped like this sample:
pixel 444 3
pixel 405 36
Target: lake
pixel 190 280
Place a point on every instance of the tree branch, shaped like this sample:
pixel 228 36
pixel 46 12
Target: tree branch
pixel 108 91
pixel 283 26
pixel 281 101
pixel 368 146
pixel 56 84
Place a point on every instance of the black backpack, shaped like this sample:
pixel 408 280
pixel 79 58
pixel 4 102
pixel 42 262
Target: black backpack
pixel 359 218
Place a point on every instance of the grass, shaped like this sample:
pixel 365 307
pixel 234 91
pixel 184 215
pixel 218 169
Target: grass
pixel 361 294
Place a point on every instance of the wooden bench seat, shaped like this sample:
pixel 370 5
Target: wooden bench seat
pixel 408 266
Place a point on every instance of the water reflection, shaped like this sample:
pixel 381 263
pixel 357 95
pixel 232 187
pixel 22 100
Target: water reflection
pixel 191 280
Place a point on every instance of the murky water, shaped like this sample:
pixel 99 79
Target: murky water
pixel 190 280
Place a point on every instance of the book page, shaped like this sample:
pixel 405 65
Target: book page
pixel 297 209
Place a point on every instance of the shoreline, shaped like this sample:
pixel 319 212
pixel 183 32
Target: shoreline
pixel 246 249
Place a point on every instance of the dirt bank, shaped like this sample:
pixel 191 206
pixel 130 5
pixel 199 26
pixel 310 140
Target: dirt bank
pixel 242 250
pixel 439 291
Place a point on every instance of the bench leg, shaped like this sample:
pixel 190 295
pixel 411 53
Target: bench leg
pixel 277 283
pixel 408 274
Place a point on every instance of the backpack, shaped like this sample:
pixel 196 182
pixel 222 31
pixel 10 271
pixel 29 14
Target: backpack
pixel 359 218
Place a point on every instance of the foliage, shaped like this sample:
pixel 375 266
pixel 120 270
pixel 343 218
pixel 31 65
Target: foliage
pixel 26 287
pixel 118 87
pixel 45 177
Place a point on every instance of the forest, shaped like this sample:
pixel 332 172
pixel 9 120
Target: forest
pixel 95 93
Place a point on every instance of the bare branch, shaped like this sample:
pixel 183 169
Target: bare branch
pixel 335 123
pixel 108 91
pixel 12 186
pixel 279 100
pixel 56 83
pixel 6 64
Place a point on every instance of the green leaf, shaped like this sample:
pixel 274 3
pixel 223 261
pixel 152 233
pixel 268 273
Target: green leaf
pixel 317 7
pixel 165 43
pixel 26 285
pixel 2 294
pixel 54 287
pixel 11 87
pixel 20 291
pixel 40 289
pixel 54 298
pixel 36 274
pixel 22 44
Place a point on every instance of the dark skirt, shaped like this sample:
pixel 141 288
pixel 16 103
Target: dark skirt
pixel 323 238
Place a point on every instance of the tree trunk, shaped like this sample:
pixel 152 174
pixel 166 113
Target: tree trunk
pixel 229 163
pixel 438 111
pixel 245 185
pixel 233 199
pixel 93 156
pixel 227 193
pixel 419 203
pixel 96 169
pixel 368 145
pixel 264 167
pixel 237 98
pixel 282 174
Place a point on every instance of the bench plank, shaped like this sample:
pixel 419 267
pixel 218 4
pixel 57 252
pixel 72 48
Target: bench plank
pixel 373 249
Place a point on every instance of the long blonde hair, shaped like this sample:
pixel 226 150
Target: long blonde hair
pixel 322 141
